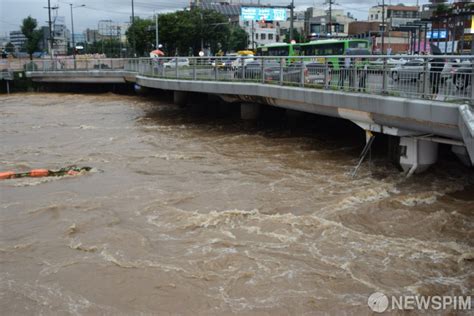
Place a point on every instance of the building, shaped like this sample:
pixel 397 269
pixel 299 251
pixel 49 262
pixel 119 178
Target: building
pixel 92 36
pixel 395 15
pixel 450 25
pixel 43 44
pixel 18 40
pixel 298 25
pixel 4 40
pixel 78 38
pixel 108 29
pixel 317 23
pixel 61 36
pixel 260 31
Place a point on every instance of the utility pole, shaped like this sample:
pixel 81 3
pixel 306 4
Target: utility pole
pixel 330 18
pixel 133 13
pixel 383 24
pixel 73 41
pixel 292 8
pixel 50 23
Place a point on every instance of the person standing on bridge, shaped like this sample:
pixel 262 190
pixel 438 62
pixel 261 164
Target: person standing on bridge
pixel 436 66
pixel 345 71
pixel 362 71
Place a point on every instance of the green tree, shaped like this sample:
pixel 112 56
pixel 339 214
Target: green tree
pixel 184 32
pixel 140 36
pixel 298 37
pixel 10 48
pixel 33 36
pixel 112 47
pixel 237 40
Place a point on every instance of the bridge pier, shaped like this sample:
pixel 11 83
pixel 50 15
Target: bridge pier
pixel 417 155
pixel 180 98
pixel 249 111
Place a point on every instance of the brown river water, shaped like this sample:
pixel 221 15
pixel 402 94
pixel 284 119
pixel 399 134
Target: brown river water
pixel 198 215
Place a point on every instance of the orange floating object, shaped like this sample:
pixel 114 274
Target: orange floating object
pixel 7 175
pixel 39 173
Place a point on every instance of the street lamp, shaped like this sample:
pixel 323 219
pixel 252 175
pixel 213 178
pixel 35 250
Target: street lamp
pixel 72 30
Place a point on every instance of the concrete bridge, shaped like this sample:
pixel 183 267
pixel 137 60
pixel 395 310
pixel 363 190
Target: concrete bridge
pixel 404 110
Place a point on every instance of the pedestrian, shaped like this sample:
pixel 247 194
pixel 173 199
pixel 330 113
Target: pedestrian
pixel 436 68
pixel 345 72
pixel 363 73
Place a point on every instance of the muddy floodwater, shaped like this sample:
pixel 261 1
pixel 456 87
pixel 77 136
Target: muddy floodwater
pixel 196 214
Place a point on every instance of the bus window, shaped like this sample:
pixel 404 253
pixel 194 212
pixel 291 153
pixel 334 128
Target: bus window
pixel 278 51
pixel 296 50
pixel 354 44
pixel 338 49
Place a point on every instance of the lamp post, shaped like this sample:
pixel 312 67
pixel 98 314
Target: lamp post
pixel 383 25
pixel 72 30
pixel 156 31
pixel 134 42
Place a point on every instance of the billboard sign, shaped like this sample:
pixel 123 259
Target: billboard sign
pixel 266 14
pixel 435 34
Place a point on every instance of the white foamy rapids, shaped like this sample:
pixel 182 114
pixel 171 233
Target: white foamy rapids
pixel 281 231
pixel 426 198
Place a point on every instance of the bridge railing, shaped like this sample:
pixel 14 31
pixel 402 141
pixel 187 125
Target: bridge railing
pixel 102 64
pixel 445 78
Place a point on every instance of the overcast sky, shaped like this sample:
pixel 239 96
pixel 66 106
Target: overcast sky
pixel 13 11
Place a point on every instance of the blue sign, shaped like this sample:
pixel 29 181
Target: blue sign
pixel 435 34
pixel 266 14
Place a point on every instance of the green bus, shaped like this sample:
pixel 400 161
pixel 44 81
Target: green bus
pixel 279 49
pixel 331 47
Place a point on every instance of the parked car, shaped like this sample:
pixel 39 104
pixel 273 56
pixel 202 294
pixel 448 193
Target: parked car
pixel 413 70
pixel 312 72
pixel 391 62
pixel 253 70
pixel 223 63
pixel 182 62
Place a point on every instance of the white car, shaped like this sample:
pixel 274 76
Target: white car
pixel 413 70
pixel 182 62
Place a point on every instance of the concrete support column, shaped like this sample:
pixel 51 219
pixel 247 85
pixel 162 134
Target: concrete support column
pixel 249 111
pixel 417 155
pixel 180 98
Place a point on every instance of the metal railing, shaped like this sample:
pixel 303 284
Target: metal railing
pixel 444 78
pixel 105 64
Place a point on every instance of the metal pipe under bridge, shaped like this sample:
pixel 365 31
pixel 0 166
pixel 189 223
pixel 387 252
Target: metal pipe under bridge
pixel 423 100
